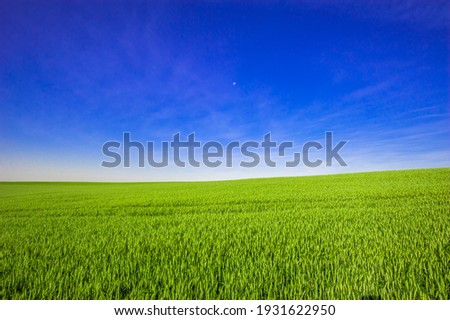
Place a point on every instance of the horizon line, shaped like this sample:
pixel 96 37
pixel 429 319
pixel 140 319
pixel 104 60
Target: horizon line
pixel 222 180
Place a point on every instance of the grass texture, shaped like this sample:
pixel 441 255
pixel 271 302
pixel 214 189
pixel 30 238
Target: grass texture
pixel 380 235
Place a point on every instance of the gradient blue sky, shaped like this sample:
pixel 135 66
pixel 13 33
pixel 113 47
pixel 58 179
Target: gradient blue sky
pixel 75 74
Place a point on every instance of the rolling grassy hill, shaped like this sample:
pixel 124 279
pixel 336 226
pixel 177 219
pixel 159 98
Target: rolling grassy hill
pixel 380 235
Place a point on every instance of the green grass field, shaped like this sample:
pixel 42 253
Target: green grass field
pixel 382 235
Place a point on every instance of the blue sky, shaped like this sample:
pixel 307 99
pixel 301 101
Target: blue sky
pixel 75 74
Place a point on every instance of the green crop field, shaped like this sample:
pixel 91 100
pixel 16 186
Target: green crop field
pixel 381 235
